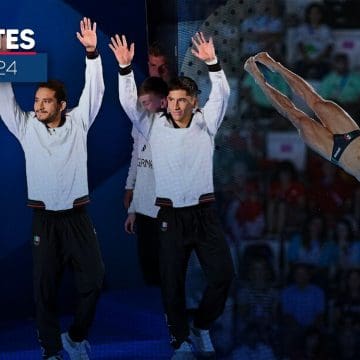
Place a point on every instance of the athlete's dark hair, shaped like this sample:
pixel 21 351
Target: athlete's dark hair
pixel 156 49
pixel 154 85
pixel 57 86
pixel 184 83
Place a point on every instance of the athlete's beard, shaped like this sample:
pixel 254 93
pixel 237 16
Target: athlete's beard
pixel 51 118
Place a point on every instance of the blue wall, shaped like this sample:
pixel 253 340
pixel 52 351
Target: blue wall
pixel 55 24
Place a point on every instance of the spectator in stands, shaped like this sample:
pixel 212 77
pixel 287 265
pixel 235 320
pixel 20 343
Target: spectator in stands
pixel 349 348
pixel 249 214
pixel 286 198
pixel 349 208
pixel 328 191
pixel 342 85
pixel 262 30
pixel 347 317
pixel 312 246
pixel 314 347
pixel 347 304
pixel 253 348
pixel 295 11
pixel 257 300
pixel 241 161
pixel 348 246
pixel 314 42
pixel 302 306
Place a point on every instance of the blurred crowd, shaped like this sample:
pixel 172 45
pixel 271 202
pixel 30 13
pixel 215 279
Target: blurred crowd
pixel 294 231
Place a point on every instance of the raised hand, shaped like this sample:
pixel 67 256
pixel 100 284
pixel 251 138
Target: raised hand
pixel 203 49
pixel 123 53
pixel 87 35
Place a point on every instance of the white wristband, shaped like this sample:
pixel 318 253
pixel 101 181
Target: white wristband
pixel 212 62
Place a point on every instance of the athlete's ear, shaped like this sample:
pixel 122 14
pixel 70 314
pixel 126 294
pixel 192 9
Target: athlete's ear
pixel 163 103
pixel 62 105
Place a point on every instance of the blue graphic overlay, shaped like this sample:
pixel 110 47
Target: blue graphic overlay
pixel 23 67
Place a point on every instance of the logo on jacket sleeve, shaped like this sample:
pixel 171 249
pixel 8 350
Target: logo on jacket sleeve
pixel 36 240
pixel 164 226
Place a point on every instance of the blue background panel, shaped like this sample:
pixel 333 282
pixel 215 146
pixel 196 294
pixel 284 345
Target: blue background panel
pixel 55 24
pixel 23 68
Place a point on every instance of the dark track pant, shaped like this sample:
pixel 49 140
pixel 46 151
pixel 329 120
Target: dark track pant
pixel 148 248
pixel 63 238
pixel 181 231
